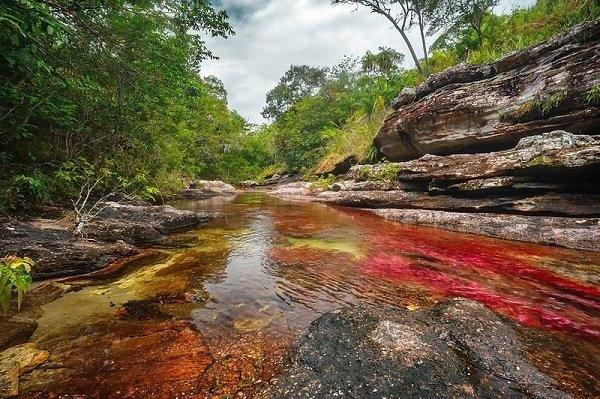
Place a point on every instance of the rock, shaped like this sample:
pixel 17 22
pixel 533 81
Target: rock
pixel 16 361
pixel 335 166
pixel 559 153
pixel 406 96
pixel 15 330
pixel 141 224
pixel 457 349
pixel 471 109
pixel 204 189
pixel 583 205
pixel 576 233
pixel 56 250
pixel 249 184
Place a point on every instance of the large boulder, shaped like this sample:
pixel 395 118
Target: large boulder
pixel 469 109
pixel 457 349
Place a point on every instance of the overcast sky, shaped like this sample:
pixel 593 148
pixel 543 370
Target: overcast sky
pixel 271 35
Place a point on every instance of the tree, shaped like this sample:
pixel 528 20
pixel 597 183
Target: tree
pixel 402 14
pixel 455 15
pixel 384 62
pixel 298 82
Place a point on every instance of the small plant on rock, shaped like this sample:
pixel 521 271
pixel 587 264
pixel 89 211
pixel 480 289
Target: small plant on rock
pixel 14 277
pixel 592 96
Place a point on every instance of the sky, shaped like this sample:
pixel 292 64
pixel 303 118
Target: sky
pixel 272 35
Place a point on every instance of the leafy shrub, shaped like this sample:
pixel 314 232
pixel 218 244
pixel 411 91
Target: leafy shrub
pixel 14 276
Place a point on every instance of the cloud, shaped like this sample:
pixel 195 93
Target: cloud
pixel 271 35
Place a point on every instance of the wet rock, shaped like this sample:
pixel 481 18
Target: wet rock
pixel 457 349
pixel 59 252
pixel 15 362
pixel 56 250
pixel 472 109
pixel 141 224
pixel 576 233
pixel 15 330
pixel 582 205
pixel 204 189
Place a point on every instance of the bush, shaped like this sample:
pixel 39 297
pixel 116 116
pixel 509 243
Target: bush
pixel 14 277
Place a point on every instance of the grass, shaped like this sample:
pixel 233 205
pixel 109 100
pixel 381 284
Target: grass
pixel 592 96
pixel 355 138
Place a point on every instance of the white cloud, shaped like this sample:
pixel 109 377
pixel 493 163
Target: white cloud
pixel 271 35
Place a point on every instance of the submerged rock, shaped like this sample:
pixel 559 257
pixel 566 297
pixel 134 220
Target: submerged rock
pixel 469 109
pixel 457 349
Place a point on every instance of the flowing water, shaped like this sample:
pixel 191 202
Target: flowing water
pixel 212 312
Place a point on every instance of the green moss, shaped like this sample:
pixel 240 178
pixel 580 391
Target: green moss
pixel 540 160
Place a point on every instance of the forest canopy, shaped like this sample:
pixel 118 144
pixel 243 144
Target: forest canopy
pixel 111 91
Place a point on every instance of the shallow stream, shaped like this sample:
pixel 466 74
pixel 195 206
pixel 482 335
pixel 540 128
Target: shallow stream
pixel 212 312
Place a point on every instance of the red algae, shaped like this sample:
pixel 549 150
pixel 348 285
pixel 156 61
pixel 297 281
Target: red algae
pixel 265 270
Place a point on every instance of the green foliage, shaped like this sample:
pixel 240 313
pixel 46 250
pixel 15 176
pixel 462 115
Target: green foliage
pixel 14 277
pixel 592 96
pixel 385 172
pixel 322 182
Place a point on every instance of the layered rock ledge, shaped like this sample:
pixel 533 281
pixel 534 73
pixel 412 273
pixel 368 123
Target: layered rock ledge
pixel 470 109
pixel 458 349
pixel 543 190
pixel 112 235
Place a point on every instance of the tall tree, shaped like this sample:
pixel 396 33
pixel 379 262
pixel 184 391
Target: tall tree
pixel 455 15
pixel 385 61
pixel 401 14
pixel 298 82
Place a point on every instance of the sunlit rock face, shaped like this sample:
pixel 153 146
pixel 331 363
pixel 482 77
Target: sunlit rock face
pixel 473 109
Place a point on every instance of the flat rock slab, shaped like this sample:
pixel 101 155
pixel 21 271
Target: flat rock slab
pixel 58 252
pixel 458 349
pixel 575 233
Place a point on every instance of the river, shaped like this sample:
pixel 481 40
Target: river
pixel 211 312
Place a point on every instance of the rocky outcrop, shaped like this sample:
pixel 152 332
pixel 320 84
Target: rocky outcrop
pixel 472 109
pixel 543 190
pixel 59 252
pixel 458 349
pixel 204 189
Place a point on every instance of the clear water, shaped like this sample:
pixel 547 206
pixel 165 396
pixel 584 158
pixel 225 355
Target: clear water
pixel 221 304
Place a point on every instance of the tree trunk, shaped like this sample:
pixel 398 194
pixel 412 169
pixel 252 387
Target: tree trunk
pixel 403 34
pixel 421 30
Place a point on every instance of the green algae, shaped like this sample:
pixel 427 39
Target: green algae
pixel 325 244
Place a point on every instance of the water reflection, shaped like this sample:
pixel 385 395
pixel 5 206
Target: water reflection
pixel 253 279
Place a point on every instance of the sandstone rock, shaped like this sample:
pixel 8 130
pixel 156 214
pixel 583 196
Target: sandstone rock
pixel 406 96
pixel 15 330
pixel 56 250
pixel 471 109
pixel 335 166
pixel 204 189
pixel 141 224
pixel 16 361
pixel 249 184
pixel 576 233
pixel 457 349
pixel 585 205
pixel 558 152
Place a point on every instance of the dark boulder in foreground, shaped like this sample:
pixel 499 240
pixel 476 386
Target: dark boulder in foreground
pixel 458 349
pixel 59 252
